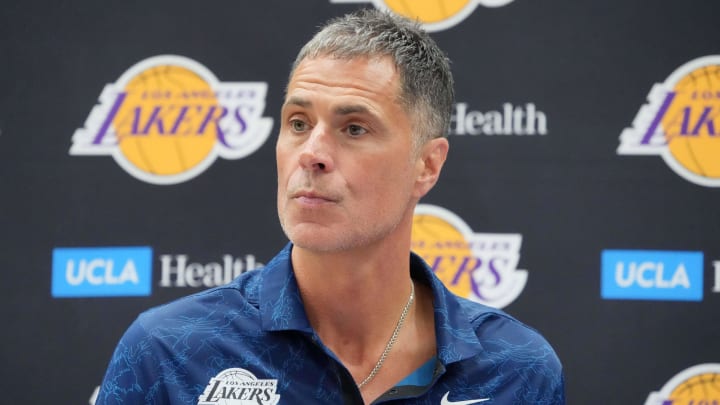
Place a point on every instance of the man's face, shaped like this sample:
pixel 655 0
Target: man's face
pixel 346 165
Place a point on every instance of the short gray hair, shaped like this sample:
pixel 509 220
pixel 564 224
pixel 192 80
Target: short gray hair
pixel 426 88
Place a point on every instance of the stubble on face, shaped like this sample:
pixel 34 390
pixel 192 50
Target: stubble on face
pixel 369 197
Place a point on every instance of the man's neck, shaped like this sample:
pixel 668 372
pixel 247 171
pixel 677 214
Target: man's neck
pixel 354 301
pixel 353 293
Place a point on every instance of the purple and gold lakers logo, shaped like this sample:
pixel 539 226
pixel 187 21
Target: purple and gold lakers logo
pixel 697 385
pixel 168 118
pixel 479 266
pixel 435 15
pixel 681 122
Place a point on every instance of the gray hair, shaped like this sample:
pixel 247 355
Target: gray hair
pixel 426 88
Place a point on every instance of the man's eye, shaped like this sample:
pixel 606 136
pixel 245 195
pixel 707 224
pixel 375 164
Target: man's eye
pixel 356 130
pixel 298 125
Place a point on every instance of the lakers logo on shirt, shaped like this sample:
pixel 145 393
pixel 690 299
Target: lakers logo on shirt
pixel 168 118
pixel 681 122
pixel 479 266
pixel 435 15
pixel 237 386
pixel 696 385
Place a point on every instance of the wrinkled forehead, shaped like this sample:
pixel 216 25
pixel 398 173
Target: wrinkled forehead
pixel 377 58
pixel 372 79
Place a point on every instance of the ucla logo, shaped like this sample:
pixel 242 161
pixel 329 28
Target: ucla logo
pixel 697 385
pixel 97 272
pixel 479 266
pixel 652 275
pixel 435 15
pixel 168 118
pixel 681 122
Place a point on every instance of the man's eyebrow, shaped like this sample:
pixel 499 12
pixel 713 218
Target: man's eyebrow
pixel 300 102
pixel 339 110
pixel 350 109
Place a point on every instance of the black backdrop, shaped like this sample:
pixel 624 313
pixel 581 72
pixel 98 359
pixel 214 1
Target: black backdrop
pixel 586 66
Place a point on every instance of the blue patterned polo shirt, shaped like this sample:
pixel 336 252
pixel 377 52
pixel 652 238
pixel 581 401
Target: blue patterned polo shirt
pixel 250 342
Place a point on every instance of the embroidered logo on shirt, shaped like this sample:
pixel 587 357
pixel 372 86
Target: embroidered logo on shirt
pixel 446 401
pixel 237 386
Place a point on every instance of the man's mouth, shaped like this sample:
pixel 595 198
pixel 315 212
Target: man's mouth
pixel 312 197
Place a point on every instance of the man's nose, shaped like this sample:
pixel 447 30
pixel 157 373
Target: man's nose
pixel 317 150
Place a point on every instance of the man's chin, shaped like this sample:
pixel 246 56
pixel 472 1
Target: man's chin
pixel 309 236
pixel 319 245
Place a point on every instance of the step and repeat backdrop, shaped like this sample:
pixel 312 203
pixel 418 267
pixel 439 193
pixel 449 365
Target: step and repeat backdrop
pixel 582 191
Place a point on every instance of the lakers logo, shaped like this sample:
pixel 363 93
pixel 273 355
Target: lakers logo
pixel 479 266
pixel 681 123
pixel 693 386
pixel 435 15
pixel 168 118
pixel 237 386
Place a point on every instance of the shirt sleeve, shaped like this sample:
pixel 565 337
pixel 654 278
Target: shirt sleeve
pixel 525 368
pixel 135 374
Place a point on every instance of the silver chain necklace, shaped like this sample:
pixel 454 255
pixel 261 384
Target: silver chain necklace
pixel 392 340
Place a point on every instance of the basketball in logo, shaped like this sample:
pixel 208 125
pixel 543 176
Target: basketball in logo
pixel 481 267
pixel 692 122
pixel 696 385
pixel 702 388
pixel 176 141
pixel 681 122
pixel 427 11
pixel 446 250
pixel 167 119
pixel 434 15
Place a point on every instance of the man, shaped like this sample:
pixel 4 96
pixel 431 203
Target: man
pixel 345 314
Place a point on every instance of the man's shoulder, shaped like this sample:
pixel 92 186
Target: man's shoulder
pixel 512 348
pixel 240 296
pixel 460 318
pixel 184 334
pixel 237 303
pixel 495 325
pixel 476 327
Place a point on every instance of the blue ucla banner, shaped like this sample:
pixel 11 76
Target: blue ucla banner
pixel 99 272
pixel 652 275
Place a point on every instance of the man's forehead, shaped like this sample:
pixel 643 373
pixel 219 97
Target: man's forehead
pixel 371 76
pixel 380 65
pixel 350 58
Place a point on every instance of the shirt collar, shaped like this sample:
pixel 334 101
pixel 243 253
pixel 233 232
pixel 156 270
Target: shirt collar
pixel 281 307
pixel 455 335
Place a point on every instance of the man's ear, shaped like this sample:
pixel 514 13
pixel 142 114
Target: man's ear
pixel 430 162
